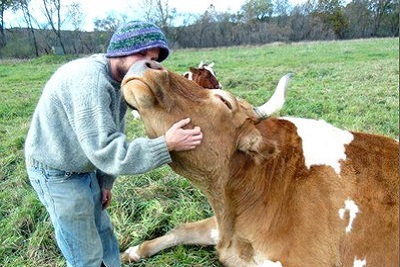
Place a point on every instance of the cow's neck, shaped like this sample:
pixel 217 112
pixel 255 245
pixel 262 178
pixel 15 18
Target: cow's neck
pixel 209 180
pixel 263 194
pixel 240 182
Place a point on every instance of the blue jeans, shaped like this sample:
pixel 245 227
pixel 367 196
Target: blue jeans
pixel 83 230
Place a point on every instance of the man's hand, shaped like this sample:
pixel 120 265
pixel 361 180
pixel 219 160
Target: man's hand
pixel 106 197
pixel 179 139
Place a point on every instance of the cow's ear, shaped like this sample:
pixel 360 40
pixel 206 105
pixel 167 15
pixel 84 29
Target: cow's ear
pixel 157 86
pixel 193 70
pixel 252 143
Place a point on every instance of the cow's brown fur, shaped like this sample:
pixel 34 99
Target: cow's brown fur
pixel 268 204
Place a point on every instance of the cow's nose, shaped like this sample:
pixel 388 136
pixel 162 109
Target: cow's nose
pixel 141 66
pixel 151 64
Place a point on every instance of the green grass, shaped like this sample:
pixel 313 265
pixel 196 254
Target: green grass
pixel 351 84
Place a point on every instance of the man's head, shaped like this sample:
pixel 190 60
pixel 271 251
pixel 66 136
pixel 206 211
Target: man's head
pixel 135 37
pixel 134 41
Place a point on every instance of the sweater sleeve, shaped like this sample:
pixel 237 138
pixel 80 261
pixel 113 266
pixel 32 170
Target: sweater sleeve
pixel 111 152
pixel 106 181
pixel 98 128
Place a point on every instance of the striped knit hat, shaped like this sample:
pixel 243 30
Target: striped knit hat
pixel 137 36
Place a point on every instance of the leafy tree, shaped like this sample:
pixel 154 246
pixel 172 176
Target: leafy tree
pixel 4 5
pixel 104 28
pixel 307 25
pixel 382 11
pixel 159 12
pixel 109 24
pixel 257 10
pixel 331 13
pixel 393 18
pixel 258 22
pixel 359 18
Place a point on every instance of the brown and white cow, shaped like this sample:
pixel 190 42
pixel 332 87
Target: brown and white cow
pixel 204 75
pixel 285 191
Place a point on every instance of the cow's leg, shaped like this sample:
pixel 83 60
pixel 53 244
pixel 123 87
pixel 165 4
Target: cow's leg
pixel 204 232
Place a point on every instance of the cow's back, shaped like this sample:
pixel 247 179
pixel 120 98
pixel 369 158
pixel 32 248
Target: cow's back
pixel 333 205
pixel 372 173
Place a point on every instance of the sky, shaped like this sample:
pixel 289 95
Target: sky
pixel 100 9
pixel 103 8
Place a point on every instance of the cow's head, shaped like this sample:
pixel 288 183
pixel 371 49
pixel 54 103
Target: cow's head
pixel 163 97
pixel 204 76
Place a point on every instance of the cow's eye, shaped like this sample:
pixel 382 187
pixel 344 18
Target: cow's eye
pixel 225 101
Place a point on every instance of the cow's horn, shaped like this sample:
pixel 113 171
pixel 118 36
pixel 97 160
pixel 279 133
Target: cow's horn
pixel 275 103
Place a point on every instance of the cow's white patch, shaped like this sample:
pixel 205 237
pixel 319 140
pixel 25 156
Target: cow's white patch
pixel 268 263
pixel 215 235
pixel 135 114
pixel 352 208
pixel 189 74
pixel 210 70
pixel 133 253
pixel 359 263
pixel 323 144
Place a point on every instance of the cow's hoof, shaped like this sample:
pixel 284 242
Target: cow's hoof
pixel 131 254
pixel 135 115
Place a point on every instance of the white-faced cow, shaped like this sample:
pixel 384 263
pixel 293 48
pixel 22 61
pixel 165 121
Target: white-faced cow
pixel 284 191
pixel 204 75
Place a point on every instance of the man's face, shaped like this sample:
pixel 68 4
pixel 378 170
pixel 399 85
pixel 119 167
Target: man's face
pixel 125 63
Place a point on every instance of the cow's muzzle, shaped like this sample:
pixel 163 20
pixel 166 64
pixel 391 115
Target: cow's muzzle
pixel 141 66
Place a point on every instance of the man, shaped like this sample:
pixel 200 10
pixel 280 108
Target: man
pixel 76 147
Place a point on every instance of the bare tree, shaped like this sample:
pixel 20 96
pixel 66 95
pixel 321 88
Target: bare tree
pixel 76 19
pixel 160 13
pixel 75 16
pixel 24 6
pixel 360 19
pixel 281 10
pixel 380 11
pixel 393 18
pixel 52 11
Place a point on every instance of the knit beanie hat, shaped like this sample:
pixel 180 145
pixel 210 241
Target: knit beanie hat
pixel 137 36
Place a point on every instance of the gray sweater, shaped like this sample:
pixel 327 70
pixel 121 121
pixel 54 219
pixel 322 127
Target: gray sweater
pixel 78 125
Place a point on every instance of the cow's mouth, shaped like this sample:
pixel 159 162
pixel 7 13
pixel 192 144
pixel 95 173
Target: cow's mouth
pixel 134 85
pixel 130 106
pixel 131 91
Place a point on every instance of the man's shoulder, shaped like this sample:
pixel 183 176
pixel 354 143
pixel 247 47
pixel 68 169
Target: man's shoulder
pixel 88 62
pixel 79 75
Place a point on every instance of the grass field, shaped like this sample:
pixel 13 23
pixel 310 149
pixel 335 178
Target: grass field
pixel 351 84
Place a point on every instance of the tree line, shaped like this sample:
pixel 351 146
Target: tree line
pixel 257 22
